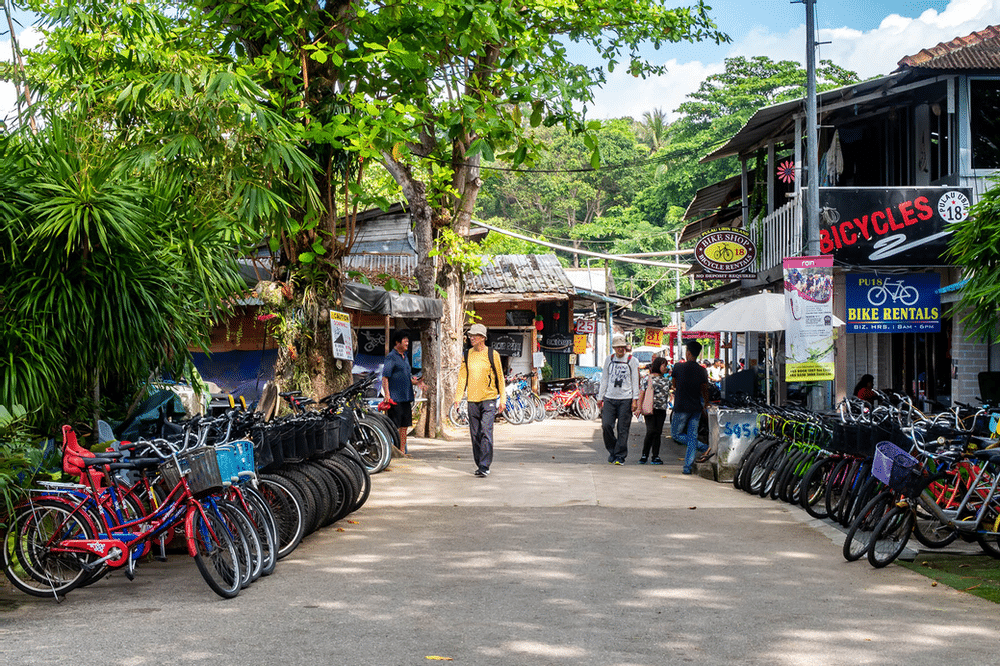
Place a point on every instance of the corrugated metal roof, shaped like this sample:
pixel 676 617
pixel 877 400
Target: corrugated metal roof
pixel 521 274
pixel 400 266
pixel 980 50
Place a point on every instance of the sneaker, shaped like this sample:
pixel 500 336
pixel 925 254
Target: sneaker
pixel 642 460
pixel 480 472
pixel 611 459
pixel 619 461
pixel 656 461
pixel 485 472
pixel 686 471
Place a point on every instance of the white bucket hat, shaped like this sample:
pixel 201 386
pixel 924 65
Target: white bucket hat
pixel 618 340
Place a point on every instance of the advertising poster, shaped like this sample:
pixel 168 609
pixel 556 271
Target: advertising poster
pixel 808 319
pixel 579 344
pixel 893 303
pixel 654 337
pixel 340 328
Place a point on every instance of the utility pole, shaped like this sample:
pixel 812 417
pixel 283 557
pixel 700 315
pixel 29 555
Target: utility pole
pixel 812 135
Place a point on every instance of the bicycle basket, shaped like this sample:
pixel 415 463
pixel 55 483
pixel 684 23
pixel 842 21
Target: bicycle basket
pixel 202 468
pixel 229 462
pixel 897 469
pixel 265 445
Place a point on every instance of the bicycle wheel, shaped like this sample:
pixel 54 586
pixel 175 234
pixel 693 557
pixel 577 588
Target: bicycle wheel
pixel 315 504
pixel 350 458
pixel 248 548
pixel 812 496
pixel 549 405
pixel 890 536
pixel 836 487
pixel 373 445
pixel 215 553
pixel 28 558
pixel 928 528
pixel 859 536
pixel 458 416
pixel 263 522
pixel 286 504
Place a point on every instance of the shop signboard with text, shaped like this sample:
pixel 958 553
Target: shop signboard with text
pixel 883 303
pixel 890 226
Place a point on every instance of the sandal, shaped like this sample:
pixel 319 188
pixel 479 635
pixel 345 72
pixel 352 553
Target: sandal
pixel 705 457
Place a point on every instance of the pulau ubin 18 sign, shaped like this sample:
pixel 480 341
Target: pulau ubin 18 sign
pixel 890 226
pixel 725 254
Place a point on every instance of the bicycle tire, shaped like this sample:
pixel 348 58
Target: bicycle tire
pixel 814 487
pixel 757 467
pixel 248 548
pixel 774 462
pixel 458 417
pixel 870 487
pixel 29 563
pixel 741 464
pixel 316 506
pixel 372 444
pixel 782 474
pixel 388 427
pixel 330 496
pixel 927 528
pixel 353 471
pixel 835 487
pixel 285 502
pixel 348 491
pixel 215 553
pixel 351 458
pixel 891 536
pixel 549 406
pixel 859 535
pixel 263 522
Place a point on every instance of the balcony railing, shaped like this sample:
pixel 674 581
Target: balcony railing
pixel 778 235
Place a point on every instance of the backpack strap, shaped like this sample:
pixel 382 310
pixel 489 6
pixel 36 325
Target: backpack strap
pixel 489 356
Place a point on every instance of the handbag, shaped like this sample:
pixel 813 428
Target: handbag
pixel 646 405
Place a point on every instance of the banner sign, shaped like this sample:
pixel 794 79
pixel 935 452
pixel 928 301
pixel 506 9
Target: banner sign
pixel 725 254
pixel 808 319
pixel 890 226
pixel 508 344
pixel 893 303
pixel 371 341
pixel 340 328
pixel 654 337
pixel 579 344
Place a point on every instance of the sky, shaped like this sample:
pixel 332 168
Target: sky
pixel 866 36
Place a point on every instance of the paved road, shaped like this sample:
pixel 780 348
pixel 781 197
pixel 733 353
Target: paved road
pixel 556 558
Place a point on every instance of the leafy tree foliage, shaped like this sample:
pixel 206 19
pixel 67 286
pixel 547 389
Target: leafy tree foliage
pixel 973 244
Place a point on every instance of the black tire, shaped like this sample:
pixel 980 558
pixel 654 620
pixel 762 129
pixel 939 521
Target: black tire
pixel 928 528
pixel 345 487
pixel 264 524
pixel 248 548
pixel 857 494
pixel 316 504
pixel 372 443
pixel 330 494
pixel 778 474
pixel 350 458
pixel 813 492
pixel 770 469
pixel 859 535
pixel 286 503
pixel 738 472
pixel 28 561
pixel 754 475
pixel 215 553
pixel 836 487
pixel 891 536
pixel 353 474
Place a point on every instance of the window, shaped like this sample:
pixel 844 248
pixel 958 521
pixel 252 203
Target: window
pixel 985 121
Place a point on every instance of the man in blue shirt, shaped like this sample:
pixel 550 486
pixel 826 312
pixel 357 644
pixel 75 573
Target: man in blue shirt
pixel 397 385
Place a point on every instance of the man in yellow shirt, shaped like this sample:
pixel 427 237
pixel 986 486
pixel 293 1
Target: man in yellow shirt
pixel 486 396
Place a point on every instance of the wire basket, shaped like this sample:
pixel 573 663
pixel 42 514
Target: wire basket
pixel 200 466
pixel 897 469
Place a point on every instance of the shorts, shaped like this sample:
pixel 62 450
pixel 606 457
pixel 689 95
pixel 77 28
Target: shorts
pixel 401 414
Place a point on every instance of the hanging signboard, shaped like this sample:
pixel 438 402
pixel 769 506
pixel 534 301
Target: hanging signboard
pixel 340 328
pixel 508 344
pixel 893 303
pixel 520 318
pixel 725 254
pixel 579 344
pixel 654 337
pixel 560 343
pixel 890 226
pixel 808 319
pixel 584 326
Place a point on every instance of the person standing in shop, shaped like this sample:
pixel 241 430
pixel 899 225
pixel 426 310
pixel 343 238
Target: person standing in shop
pixel 397 386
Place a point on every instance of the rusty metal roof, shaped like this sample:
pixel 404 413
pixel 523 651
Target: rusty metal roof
pixel 980 50
pixel 521 274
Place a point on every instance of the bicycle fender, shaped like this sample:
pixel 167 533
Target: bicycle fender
pixel 189 532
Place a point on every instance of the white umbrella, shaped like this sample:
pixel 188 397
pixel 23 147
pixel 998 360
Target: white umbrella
pixel 763 312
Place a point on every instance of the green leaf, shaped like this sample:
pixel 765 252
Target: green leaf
pixel 306 257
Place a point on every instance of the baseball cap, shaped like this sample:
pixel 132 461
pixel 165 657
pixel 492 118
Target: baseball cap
pixel 477 329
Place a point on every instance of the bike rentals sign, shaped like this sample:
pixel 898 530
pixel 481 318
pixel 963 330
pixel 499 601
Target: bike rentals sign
pixel 893 303
pixel 808 319
pixel 725 254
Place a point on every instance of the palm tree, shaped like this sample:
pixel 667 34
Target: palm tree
pixel 654 128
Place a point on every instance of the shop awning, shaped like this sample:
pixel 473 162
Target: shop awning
pixel 358 296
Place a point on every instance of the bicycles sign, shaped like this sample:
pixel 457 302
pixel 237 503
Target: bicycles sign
pixel 893 303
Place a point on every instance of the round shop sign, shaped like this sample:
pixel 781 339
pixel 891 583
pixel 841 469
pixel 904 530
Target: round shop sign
pixel 953 206
pixel 725 251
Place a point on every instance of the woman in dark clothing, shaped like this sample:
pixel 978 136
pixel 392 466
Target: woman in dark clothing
pixel 866 389
pixel 660 386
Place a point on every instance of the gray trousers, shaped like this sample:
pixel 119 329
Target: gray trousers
pixel 616 411
pixel 481 418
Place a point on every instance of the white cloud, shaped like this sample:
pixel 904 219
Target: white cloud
pixel 869 53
